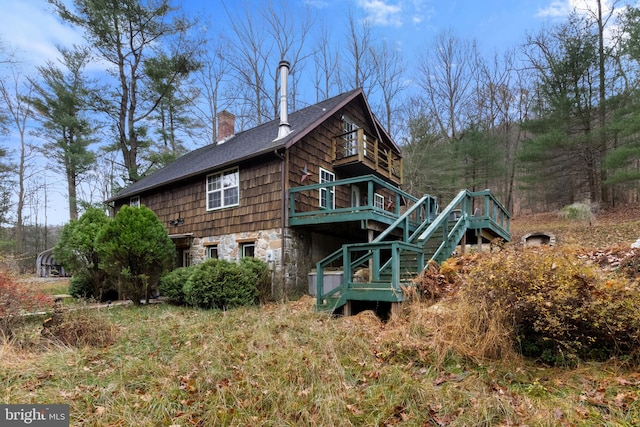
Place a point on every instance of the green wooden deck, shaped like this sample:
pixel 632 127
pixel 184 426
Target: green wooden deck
pixel 391 262
pixel 421 209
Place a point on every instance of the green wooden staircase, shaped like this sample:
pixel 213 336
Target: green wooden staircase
pixel 378 270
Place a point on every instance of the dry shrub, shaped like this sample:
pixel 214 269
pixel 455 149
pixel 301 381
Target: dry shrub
pixel 16 301
pixel 471 328
pixel 454 321
pixel 558 307
pixel 437 282
pixel 630 264
pixel 78 327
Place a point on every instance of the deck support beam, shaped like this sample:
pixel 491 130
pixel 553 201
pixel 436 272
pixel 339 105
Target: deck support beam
pixel 395 309
pixel 346 309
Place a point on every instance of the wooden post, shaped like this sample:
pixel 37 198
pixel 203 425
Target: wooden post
pixel 346 309
pixel 395 309
pixel 463 244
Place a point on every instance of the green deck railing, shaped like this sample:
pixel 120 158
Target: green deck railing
pixel 315 214
pixel 392 263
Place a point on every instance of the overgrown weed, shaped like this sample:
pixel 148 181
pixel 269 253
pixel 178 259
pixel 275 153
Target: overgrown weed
pixel 285 364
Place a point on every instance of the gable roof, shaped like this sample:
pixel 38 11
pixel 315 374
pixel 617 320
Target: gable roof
pixel 244 145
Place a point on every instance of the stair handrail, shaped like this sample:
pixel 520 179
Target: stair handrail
pixel 461 225
pixel 404 218
pixel 444 215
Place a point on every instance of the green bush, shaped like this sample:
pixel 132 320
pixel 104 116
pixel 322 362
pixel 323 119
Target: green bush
pixel 136 250
pixel 220 284
pixel 78 253
pixel 560 307
pixel 171 285
pixel 262 276
pixel 81 287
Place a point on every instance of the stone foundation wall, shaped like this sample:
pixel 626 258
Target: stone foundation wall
pixel 288 256
pixel 297 262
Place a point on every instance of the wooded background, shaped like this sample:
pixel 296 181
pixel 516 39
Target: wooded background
pixel 552 121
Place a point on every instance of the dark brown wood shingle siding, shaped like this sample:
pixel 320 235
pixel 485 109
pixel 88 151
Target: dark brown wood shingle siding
pixel 259 209
pixel 315 152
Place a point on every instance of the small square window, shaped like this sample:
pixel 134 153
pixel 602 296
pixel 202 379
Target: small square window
pixel 134 202
pixel 212 252
pixel 248 249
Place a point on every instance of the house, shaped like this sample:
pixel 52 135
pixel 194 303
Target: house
pixel 292 192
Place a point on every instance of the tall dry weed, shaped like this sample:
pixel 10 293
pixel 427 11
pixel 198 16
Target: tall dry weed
pixel 82 326
pixel 472 328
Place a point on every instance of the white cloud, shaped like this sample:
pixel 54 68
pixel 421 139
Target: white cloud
pixel 395 13
pixel 562 8
pixel 318 4
pixel 380 13
pixel 556 9
pixel 30 29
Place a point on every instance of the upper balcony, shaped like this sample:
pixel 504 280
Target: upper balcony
pixel 378 205
pixel 358 153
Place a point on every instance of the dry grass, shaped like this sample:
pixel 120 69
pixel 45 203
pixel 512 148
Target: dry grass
pixel 287 365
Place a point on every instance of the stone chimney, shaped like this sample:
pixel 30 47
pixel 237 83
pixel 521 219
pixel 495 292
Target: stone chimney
pixel 226 125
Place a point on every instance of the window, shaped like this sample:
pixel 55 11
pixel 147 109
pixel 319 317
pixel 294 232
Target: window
pixel 327 194
pixel 350 136
pixel 134 202
pixel 248 249
pixel 378 201
pixel 212 251
pixel 223 189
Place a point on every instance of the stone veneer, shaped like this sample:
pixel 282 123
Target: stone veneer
pixel 291 269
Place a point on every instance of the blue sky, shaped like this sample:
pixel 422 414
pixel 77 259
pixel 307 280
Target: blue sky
pixel 30 29
pixel 29 26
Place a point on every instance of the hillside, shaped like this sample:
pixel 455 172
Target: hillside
pixel 285 364
pixel 619 226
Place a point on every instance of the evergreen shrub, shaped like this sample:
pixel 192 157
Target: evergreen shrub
pixel 577 212
pixel 135 250
pixel 220 284
pixel 77 251
pixel 262 276
pixel 171 285
pixel 80 286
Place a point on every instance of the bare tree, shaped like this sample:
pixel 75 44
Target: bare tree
pixel 290 32
pixel 249 60
pixel 446 74
pixel 389 77
pixel 14 93
pixel 214 70
pixel 358 63
pixel 326 64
